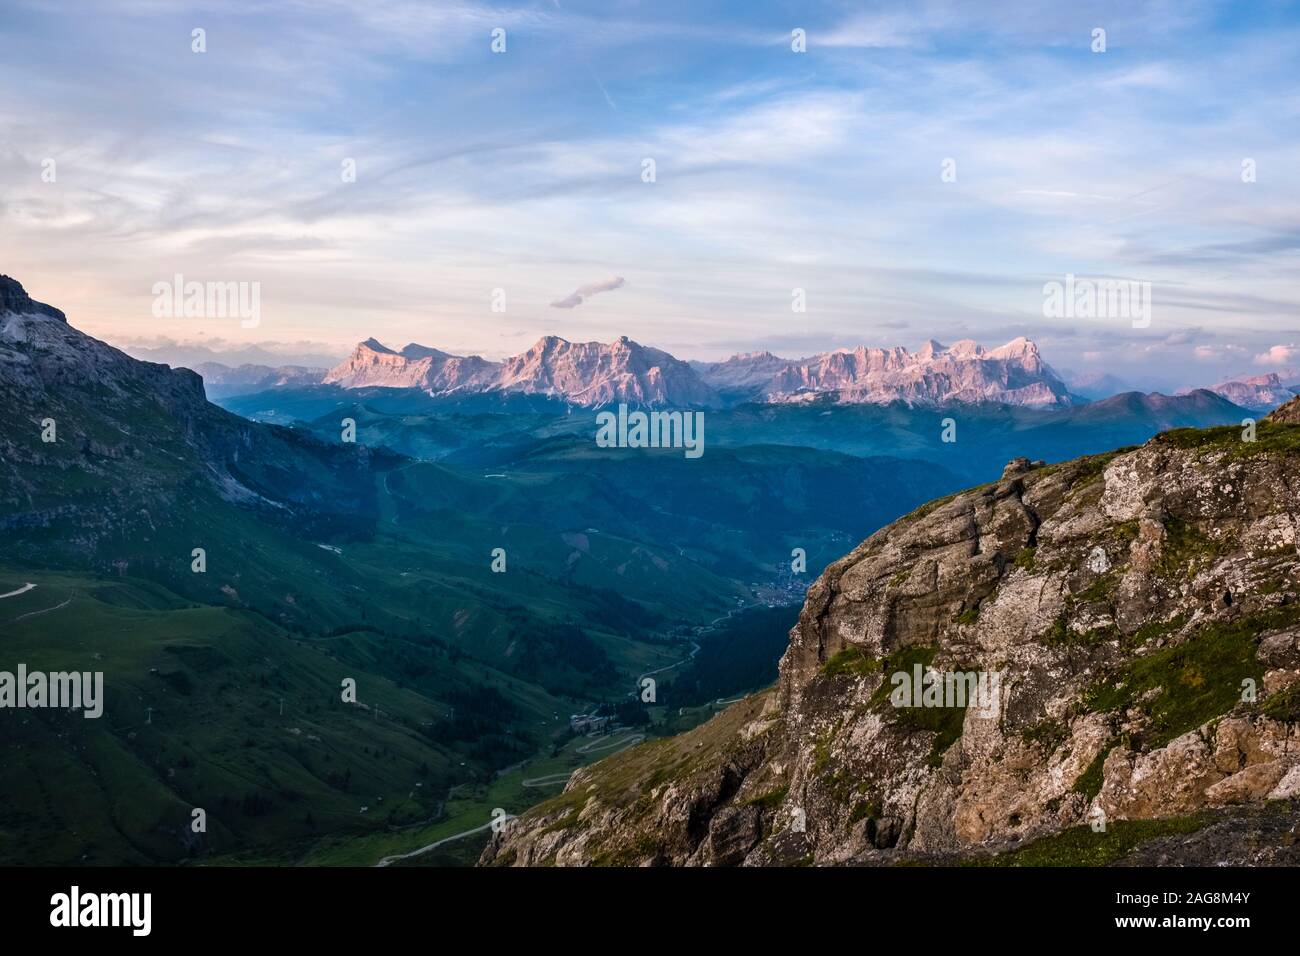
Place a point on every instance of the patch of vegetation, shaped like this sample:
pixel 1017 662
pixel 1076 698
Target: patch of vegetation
pixel 1196 680
pixel 1090 781
pixel 932 506
pixel 1088 469
pixel 1060 634
pixel 944 722
pixel 1154 629
pixel 903 659
pixel 567 822
pixel 1102 589
pixel 1185 546
pixel 1270 438
pixel 1127 530
pixel 968 616
pixel 643 845
pixel 1048 734
pixel 840 785
pixel 1093 467
pixel 1284 705
pixel 864 809
pixel 1025 558
pixel 1080 846
pixel 851 660
pixel 822 750
pixel 770 800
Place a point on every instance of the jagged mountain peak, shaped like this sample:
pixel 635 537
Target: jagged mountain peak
pixel 964 372
pixel 588 373
pixel 1252 392
pixel 15 300
pixel 1019 347
pixel 593 373
pixel 416 352
pixel 153 421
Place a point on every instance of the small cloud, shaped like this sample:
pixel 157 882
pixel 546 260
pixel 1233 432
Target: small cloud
pixel 579 295
pixel 1278 355
pixel 1182 336
pixel 1210 353
pixel 868 32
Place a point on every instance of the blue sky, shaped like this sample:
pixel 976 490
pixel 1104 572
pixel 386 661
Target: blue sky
pixel 775 170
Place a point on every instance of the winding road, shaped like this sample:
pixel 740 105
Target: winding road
pixel 47 610
pixel 550 780
pixel 630 740
pixel 695 647
pixel 389 860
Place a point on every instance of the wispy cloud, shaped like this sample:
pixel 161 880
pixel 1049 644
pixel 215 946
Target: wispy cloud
pixel 585 292
pixel 775 170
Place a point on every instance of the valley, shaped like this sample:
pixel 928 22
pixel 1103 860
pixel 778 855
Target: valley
pixel 477 564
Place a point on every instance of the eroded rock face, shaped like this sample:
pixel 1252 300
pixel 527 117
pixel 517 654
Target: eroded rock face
pixel 1137 612
pixel 14 298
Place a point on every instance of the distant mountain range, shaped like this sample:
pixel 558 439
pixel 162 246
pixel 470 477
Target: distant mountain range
pixel 230 354
pixel 1256 392
pixel 1094 384
pixel 222 380
pixel 594 374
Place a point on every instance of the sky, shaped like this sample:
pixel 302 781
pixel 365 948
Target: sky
pixel 921 170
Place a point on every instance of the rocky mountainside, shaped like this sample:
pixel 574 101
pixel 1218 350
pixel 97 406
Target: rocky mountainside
pixel 595 374
pixel 15 300
pixel 1136 618
pixel 100 451
pixel 966 372
pixel 589 373
pixel 1256 392
pixel 416 366
pixel 585 373
pixel 743 377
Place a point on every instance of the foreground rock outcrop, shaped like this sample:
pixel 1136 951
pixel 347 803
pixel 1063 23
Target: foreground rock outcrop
pixel 1135 618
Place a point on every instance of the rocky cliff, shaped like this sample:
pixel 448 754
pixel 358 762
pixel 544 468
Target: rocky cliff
pixel 14 299
pixel 935 374
pixel 415 366
pixel 1137 616
pixel 1257 391
pixel 99 450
